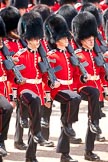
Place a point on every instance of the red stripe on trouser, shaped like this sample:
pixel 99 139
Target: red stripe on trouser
pixel 89 101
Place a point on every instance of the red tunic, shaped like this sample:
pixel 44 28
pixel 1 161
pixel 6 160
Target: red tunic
pixel 3 77
pixel 66 74
pixel 14 45
pixel 32 72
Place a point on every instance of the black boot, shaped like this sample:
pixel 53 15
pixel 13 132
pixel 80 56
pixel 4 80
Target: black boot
pixel 3 151
pixel 31 160
pixel 20 146
pixel 68 130
pixel 100 138
pixel 89 155
pixel 40 140
pixel 75 140
pixel 94 126
pixel 67 158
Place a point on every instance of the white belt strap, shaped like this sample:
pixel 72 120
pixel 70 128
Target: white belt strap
pixel 94 77
pixel 34 81
pixel 65 82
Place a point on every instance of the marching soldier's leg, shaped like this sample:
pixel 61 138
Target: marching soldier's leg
pixel 92 96
pixel 69 113
pixel 89 146
pixel 5 116
pixel 33 106
pixel 31 150
pixel 45 119
pixel 18 137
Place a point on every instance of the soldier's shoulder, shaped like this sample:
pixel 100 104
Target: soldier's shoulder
pixel 78 50
pixel 51 52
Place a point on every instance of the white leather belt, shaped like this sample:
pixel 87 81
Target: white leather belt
pixel 94 77
pixel 3 78
pixel 34 81
pixel 65 82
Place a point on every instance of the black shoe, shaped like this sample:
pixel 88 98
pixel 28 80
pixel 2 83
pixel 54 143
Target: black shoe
pixel 75 140
pixel 67 158
pixel 31 160
pixel 100 138
pixel 20 146
pixel 44 123
pixel 40 140
pixel 94 128
pixel 89 155
pixel 69 131
pixel 46 143
pixel 24 123
pixel 3 151
pixel 1 160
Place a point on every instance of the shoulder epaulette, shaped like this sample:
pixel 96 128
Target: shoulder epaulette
pixel 21 51
pixel 78 50
pixel 51 52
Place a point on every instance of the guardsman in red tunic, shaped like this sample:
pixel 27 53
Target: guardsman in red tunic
pixel 100 37
pixel 89 88
pixel 57 34
pixel 14 44
pixel 46 109
pixel 69 12
pixel 5 107
pixel 30 91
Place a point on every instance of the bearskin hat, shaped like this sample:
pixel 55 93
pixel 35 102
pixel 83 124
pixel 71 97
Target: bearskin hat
pixel 92 9
pixel 10 16
pixel 2 28
pixel 84 25
pixel 91 1
pixel 31 26
pixel 67 1
pixel 43 9
pixel 55 28
pixel 68 12
pixel 20 3
pixel 47 2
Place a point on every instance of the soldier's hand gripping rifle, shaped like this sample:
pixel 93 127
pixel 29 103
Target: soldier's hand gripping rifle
pixel 76 62
pixel 46 67
pixel 100 59
pixel 9 64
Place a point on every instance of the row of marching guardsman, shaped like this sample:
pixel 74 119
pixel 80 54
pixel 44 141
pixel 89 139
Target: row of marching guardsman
pixel 46 56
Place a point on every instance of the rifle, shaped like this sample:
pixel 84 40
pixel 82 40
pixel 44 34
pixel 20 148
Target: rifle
pixel 24 44
pixel 103 45
pixel 44 65
pixel 76 62
pixel 9 64
pixel 106 31
pixel 100 59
